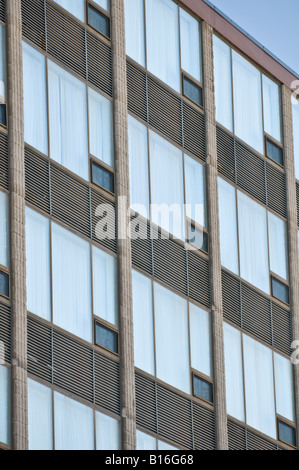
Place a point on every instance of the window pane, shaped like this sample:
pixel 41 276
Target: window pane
pixel 40 417
pixel 296 135
pixel 107 432
pixel 105 4
pixel 259 387
pixel 248 102
pixel 75 7
pixel 287 433
pixel 190 30
pixel 274 152
pixel 104 286
pixel 253 242
pixel 167 186
pixel 134 13
pixel 223 83
pixel 202 389
pixel 38 264
pixel 4 405
pixel 200 337
pixel 100 127
pixel 233 372
pixel 284 387
pixel 99 21
pixel 278 246
pixel 164 446
pixel 103 177
pixel 74 424
pixel 143 323
pixel 192 91
pixel 280 290
pixel 145 441
pixel 139 178
pixel 272 108
pixel 172 344
pixel 68 120
pixel 195 191
pixel 228 226
pixel 2 64
pixel 4 284
pixel 162 34
pixel 71 283
pixel 35 98
pixel 107 338
pixel 4 251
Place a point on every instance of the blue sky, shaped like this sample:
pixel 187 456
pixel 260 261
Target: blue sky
pixel 274 23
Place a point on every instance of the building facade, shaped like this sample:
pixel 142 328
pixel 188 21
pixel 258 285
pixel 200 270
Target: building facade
pixel 149 297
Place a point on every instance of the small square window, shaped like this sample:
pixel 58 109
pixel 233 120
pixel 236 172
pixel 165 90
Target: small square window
pixel 4 284
pixel 280 290
pixel 274 152
pixel 99 21
pixel 286 433
pixel 103 177
pixel 198 237
pixel 106 338
pixel 202 389
pixel 3 114
pixel 192 91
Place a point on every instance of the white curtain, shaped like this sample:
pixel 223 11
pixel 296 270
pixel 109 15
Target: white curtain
pixel 4 405
pixel 104 285
pixel 40 418
pixel 2 64
pixel 284 387
pixel 134 15
pixel 4 243
pixel 200 337
pixel 166 169
pixel 105 4
pixel 228 226
pixel 35 98
pixel 74 424
pixel 68 120
pixel 143 323
pixel 259 387
pixel 248 102
pixel 195 191
pixel 75 7
pixel 233 372
pixel 272 108
pixel 295 107
pixel 139 174
pixel 162 39
pixel 145 441
pixel 223 83
pixel 100 127
pixel 38 264
pixel 253 242
pixel 172 343
pixel 190 30
pixel 71 281
pixel 278 246
pixel 107 432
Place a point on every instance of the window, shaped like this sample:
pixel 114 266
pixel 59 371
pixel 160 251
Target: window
pixel 192 91
pixel 195 190
pixel 40 428
pixel 223 83
pixel 274 152
pixel 103 177
pixel 4 244
pixel 75 7
pixel 2 77
pixel 4 284
pixel 280 290
pixel 107 432
pixel 197 237
pixel 202 389
pixel 100 127
pixel 105 4
pixel 99 21
pixel 284 388
pixel 104 286
pixel 145 441
pixel 278 246
pixel 4 405
pixel 200 344
pixel 272 108
pixel 295 106
pixel 134 14
pixel 190 30
pixel 286 433
pixel 106 338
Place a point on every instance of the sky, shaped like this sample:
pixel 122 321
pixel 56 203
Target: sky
pixel 274 23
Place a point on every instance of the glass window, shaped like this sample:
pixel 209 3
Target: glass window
pixel 195 191
pixel 228 226
pixel 35 99
pixel 145 441
pixel 75 7
pixel 274 152
pixel 286 433
pixel 103 177
pixel 105 4
pixel 134 14
pixel 68 120
pixel 162 39
pixel 100 127
pixel 40 418
pixel 223 83
pixel 38 264
pixel 167 193
pixel 192 91
pixel 172 343
pixel 248 102
pixel 99 21
pixel 200 337
pixel 4 284
pixel 4 250
pixel 71 280
pixel 296 134
pixel 106 338
pixel 164 446
pixel 143 323
pixel 259 387
pixel 2 65
pixel 202 389
pixel 107 432
pixel 4 405
pixel 104 286
pixel 190 30
pixel 284 387
pixel 233 372
pixel 280 290
pixel 253 242
pixel 74 424
pixel 272 108
pixel 278 246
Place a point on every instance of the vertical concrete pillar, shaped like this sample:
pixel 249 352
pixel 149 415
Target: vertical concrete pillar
pixel 19 414
pixel 121 156
pixel 292 228
pixel 214 240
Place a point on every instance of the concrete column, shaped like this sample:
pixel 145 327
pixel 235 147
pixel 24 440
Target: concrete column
pixel 122 191
pixel 214 240
pixel 292 227
pixel 19 412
